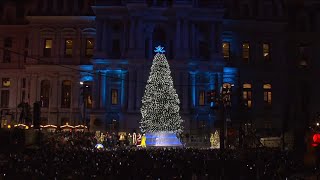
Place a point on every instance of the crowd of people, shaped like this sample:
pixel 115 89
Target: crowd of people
pixel 74 156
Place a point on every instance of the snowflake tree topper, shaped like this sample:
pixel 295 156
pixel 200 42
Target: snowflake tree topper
pixel 159 49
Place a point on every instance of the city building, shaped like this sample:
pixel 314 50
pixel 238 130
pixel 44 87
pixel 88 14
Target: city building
pixel 88 61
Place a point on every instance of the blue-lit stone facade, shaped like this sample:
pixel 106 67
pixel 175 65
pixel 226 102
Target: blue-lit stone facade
pixel 192 32
pixel 126 36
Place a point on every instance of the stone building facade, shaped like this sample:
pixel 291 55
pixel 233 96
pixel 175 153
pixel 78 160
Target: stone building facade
pixel 69 53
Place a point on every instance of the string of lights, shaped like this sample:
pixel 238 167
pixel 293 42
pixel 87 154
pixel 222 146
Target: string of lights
pixel 142 84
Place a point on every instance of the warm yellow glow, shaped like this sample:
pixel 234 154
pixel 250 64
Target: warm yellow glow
pixel 48 126
pixel 48 43
pixel 27 127
pixel 6 82
pixel 247 86
pixel 226 50
pixel 202 98
pixel 267 86
pixel 9 126
pixel 114 96
pixel 246 45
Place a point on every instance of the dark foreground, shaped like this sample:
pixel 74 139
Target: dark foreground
pixel 76 158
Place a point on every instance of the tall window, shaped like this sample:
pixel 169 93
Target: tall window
pixel 23 82
pixel 226 50
pixel 202 98
pixel 247 95
pixel 47 48
pixel 6 53
pixel 66 94
pixel 266 51
pixel 44 93
pixel 114 96
pixel 267 94
pixel 68 48
pixel 245 52
pixel 87 92
pixel 5 98
pixel 226 91
pixel 89 47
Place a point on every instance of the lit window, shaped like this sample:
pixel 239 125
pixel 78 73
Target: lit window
pixel 245 52
pixel 114 96
pixel 266 51
pixel 87 92
pixel 47 48
pixel 68 48
pixel 267 94
pixel 226 92
pixel 6 82
pixel 89 47
pixel 202 98
pixel 247 95
pixel 44 93
pixel 66 94
pixel 5 98
pixel 226 50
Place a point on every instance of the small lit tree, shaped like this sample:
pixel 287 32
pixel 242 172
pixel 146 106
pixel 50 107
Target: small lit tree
pixel 215 140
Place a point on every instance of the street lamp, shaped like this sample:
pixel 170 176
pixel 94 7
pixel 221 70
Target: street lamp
pixel 83 94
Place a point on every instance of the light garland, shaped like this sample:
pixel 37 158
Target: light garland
pixel 160 103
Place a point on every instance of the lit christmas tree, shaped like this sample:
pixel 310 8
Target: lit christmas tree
pixel 160 103
pixel 215 140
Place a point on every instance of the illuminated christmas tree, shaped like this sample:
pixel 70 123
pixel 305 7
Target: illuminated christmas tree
pixel 215 140
pixel 160 103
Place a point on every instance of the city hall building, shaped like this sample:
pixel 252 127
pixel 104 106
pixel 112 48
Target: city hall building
pixel 88 61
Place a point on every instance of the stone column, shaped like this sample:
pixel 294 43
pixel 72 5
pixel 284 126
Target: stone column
pixel 124 38
pixel 185 42
pixel 178 39
pixel 192 76
pixel 219 37
pixel 132 33
pixel 212 41
pixel 131 87
pixel 34 88
pixel 98 41
pixel 138 88
pixel 185 91
pixel 140 33
pixel 103 90
pixel 193 40
pixel 96 91
pixel 105 37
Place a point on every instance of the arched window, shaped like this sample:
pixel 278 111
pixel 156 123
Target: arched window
pixel 66 94
pixel 267 94
pixel 44 93
pixel 247 95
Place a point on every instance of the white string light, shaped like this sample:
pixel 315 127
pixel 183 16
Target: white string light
pixel 160 103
